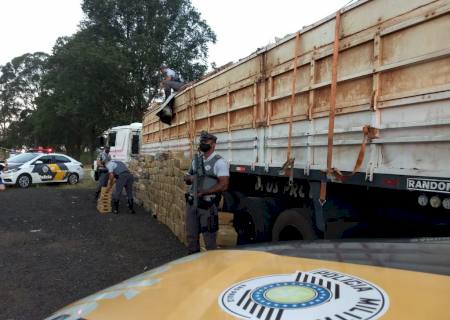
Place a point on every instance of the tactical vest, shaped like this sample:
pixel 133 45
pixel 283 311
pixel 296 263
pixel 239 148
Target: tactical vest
pixel 209 179
pixel 105 157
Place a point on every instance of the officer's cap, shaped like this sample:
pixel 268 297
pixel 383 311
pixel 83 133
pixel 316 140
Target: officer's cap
pixel 205 135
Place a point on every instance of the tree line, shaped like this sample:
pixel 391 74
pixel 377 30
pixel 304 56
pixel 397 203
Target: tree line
pixel 103 75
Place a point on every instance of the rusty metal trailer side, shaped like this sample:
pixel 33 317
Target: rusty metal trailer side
pixel 348 118
pixel 393 74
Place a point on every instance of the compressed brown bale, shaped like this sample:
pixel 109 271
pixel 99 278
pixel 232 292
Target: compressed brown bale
pixel 177 154
pixel 226 236
pixel 226 218
pixel 176 163
pixel 185 164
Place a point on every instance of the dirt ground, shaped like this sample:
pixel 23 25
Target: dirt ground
pixel 56 248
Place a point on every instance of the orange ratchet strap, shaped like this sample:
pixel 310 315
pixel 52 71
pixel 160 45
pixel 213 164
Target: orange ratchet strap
pixel 369 133
pixel 323 185
pixel 294 80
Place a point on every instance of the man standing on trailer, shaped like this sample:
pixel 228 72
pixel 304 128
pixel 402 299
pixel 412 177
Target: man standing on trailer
pixel 211 183
pixel 172 80
pixel 118 172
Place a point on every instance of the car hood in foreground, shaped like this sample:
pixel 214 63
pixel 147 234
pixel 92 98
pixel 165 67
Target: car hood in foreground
pixel 237 284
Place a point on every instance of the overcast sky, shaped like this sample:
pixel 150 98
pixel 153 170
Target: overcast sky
pixel 241 26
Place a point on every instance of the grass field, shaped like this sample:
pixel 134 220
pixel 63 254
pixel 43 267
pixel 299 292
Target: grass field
pixel 86 183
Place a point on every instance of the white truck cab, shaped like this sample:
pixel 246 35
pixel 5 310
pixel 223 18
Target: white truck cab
pixel 124 142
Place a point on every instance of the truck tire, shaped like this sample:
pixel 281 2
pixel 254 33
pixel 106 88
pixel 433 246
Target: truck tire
pixel 252 222
pixel 294 224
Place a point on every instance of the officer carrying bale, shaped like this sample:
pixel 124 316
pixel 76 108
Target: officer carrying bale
pixel 118 172
pixel 102 172
pixel 208 176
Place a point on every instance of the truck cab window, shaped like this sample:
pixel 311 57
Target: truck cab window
pixel 135 144
pixel 112 139
pixel 100 141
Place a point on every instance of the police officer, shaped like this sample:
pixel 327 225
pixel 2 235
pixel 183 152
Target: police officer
pixel 172 80
pixel 118 171
pixel 102 159
pixel 214 181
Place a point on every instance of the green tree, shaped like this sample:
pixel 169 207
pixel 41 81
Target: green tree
pixel 108 72
pixel 150 33
pixel 20 85
pixel 84 92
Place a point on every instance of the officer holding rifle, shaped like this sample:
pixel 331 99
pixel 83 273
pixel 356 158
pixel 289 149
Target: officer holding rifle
pixel 208 176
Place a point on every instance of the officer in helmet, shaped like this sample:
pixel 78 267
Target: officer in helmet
pixel 212 182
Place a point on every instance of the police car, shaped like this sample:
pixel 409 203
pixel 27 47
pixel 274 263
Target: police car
pixel 318 280
pixel 36 167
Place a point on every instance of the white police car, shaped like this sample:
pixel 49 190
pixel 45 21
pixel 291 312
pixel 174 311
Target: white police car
pixel 34 167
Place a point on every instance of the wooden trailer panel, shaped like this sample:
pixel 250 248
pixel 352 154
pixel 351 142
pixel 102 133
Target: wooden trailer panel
pixel 393 74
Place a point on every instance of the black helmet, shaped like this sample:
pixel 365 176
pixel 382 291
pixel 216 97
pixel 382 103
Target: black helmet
pixel 205 136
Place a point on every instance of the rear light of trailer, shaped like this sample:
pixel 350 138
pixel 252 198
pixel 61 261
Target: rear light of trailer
pixel 422 200
pixel 435 201
pixel 446 203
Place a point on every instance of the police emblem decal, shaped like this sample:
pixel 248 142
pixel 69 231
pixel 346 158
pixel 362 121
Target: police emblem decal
pixel 314 295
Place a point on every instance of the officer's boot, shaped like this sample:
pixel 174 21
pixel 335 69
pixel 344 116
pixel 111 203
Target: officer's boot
pixel 130 206
pixel 115 205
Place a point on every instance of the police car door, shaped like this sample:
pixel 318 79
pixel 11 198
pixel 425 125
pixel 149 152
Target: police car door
pixel 61 167
pixel 41 171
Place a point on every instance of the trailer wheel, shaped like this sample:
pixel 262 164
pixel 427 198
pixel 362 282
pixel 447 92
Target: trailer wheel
pixel 294 224
pixel 252 221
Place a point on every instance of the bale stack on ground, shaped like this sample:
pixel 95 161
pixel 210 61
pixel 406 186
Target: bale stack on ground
pixel 160 188
pixel 104 201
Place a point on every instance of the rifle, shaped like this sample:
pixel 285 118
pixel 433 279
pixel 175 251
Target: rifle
pixel 199 171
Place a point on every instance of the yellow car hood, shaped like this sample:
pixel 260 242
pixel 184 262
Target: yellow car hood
pixel 219 284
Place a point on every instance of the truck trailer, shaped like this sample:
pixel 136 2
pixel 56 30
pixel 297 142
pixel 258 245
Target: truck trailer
pixel 341 129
